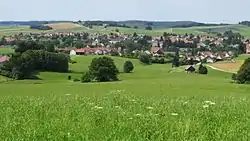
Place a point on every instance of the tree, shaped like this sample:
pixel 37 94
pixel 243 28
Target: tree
pixel 243 75
pixel 103 69
pixel 128 67
pixel 148 28
pixel 202 69
pixel 135 27
pixel 145 59
pixel 176 60
pixel 116 30
pixel 86 77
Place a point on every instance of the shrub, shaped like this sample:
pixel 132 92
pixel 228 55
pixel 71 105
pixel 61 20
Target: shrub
pixel 243 75
pixel 128 67
pixel 162 60
pixel 86 77
pixel 203 69
pixel 76 80
pixel 145 59
pixel 103 69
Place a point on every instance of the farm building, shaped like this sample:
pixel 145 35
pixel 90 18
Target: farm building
pixel 72 52
pixel 190 68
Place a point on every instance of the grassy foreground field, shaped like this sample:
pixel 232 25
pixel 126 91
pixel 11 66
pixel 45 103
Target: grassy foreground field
pixel 154 102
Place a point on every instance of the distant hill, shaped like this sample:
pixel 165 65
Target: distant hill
pixel 154 24
pixel 28 23
pixel 128 23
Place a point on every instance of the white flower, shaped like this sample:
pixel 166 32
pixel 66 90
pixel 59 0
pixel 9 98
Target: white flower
pixel 207 101
pixel 212 103
pixel 137 115
pixel 174 114
pixel 117 106
pixel 150 108
pixel 67 94
pixel 97 107
pixel 185 103
pixel 205 106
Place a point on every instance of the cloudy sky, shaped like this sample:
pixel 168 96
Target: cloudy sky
pixel 230 11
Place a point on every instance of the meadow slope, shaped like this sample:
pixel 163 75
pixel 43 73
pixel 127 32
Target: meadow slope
pixel 153 102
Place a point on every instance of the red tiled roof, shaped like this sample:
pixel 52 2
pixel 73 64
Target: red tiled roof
pixel 4 59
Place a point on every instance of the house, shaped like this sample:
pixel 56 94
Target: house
pixel 190 68
pixel 3 59
pixel 157 51
pixel 72 53
pixel 247 48
pixel 209 59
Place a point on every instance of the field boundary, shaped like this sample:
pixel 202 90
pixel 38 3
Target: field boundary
pixel 214 68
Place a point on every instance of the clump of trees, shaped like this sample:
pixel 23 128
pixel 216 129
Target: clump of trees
pixel 202 69
pixel 243 75
pixel 145 59
pixel 101 69
pixel 41 27
pixel 26 65
pixel 128 67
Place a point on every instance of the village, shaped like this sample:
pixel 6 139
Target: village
pixel 208 49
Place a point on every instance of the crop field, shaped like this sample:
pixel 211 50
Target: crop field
pixel 153 102
pixel 59 26
pixel 231 66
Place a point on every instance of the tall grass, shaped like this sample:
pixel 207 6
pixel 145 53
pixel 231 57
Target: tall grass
pixel 121 116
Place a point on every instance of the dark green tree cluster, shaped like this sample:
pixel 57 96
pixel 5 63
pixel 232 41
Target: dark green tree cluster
pixel 176 60
pixel 202 69
pixel 145 59
pixel 128 67
pixel 101 69
pixel 26 65
pixel 23 46
pixel 243 75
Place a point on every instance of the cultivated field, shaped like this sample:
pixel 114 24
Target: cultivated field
pixel 59 26
pixel 231 66
pixel 154 102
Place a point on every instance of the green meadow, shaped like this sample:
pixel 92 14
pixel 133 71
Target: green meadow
pixel 154 102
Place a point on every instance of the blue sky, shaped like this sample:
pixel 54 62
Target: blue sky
pixel 230 11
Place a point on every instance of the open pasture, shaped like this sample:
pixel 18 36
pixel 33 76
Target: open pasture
pixel 153 102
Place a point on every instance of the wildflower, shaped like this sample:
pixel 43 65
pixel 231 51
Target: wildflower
pixel 209 102
pixel 117 106
pixel 156 114
pixel 185 103
pixel 137 115
pixel 150 108
pixel 133 100
pixel 205 106
pixel 212 103
pixel 97 107
pixel 174 114
pixel 130 118
pixel 67 94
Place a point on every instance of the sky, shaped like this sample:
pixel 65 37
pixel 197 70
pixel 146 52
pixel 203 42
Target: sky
pixel 209 11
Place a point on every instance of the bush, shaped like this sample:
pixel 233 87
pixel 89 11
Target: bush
pixel 103 69
pixel 145 59
pixel 128 67
pixel 203 69
pixel 76 80
pixel 86 77
pixel 243 75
